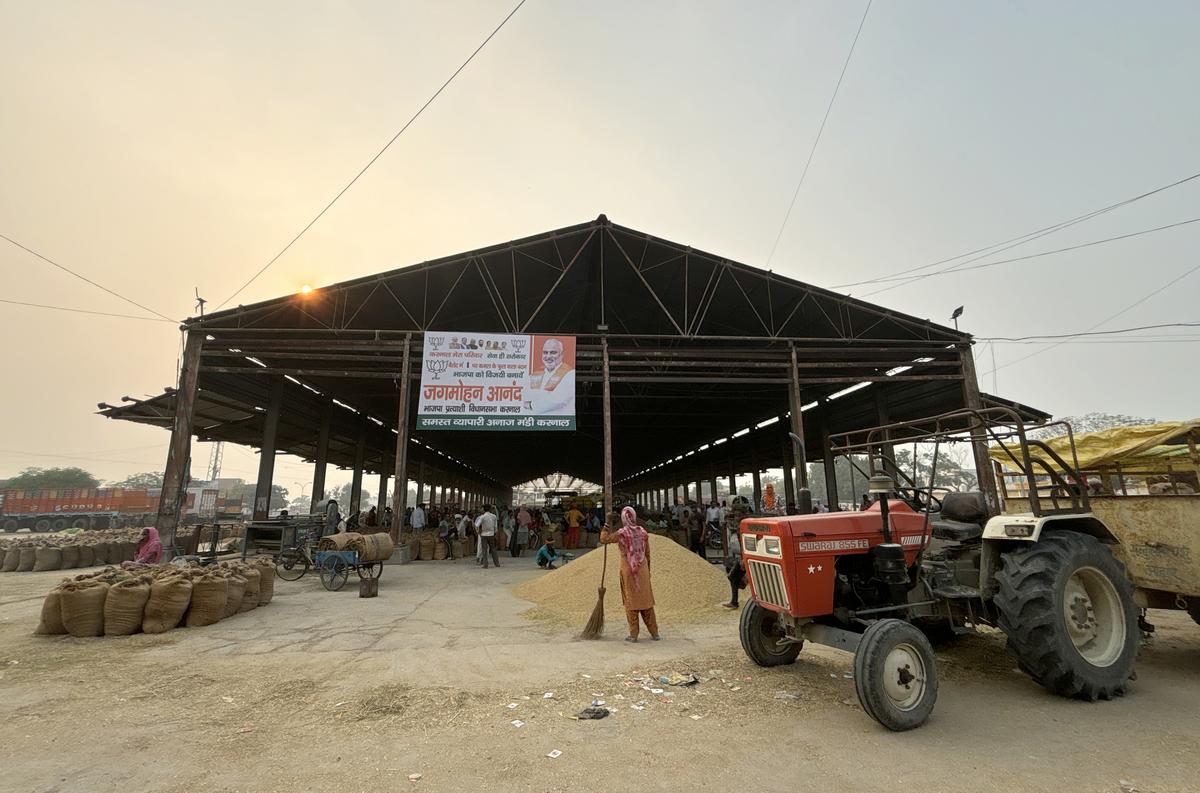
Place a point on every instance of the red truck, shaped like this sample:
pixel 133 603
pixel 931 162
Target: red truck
pixel 106 507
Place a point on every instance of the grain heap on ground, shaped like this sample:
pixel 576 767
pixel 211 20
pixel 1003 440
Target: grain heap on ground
pixel 687 589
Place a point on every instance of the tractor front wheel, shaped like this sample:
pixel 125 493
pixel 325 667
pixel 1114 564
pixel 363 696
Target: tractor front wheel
pixel 760 632
pixel 1067 608
pixel 895 675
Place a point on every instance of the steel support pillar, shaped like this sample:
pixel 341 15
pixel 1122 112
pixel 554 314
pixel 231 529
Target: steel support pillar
pixel 400 492
pixel 803 496
pixel 360 457
pixel 831 485
pixel 607 408
pixel 179 454
pixel 321 464
pixel 266 455
pixel 974 401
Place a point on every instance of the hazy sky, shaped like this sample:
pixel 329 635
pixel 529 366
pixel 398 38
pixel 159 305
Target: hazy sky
pixel 157 147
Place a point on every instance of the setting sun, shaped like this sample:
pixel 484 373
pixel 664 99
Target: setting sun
pixel 306 290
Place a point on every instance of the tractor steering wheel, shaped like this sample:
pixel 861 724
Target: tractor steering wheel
pixel 920 498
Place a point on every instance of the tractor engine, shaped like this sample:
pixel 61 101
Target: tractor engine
pixel 834 563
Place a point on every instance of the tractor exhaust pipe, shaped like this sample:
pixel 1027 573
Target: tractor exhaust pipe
pixel 803 494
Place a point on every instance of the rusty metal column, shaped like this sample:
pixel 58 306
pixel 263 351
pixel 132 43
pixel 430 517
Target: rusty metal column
pixel 382 499
pixel 974 401
pixel 803 496
pixel 732 480
pixel 787 463
pixel 360 456
pixel 400 490
pixel 322 459
pixel 887 450
pixel 266 455
pixel 420 482
pixel 699 491
pixel 179 453
pixel 831 488
pixel 757 481
pixel 608 466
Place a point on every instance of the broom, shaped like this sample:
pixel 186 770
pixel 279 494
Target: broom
pixel 595 623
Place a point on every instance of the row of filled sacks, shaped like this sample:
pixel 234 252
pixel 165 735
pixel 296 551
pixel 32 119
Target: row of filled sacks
pixel 154 599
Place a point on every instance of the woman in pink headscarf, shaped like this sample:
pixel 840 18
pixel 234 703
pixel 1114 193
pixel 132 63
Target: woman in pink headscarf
pixel 636 593
pixel 149 549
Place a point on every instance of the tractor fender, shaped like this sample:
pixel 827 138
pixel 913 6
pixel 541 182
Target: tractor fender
pixel 1001 527
pixel 997 538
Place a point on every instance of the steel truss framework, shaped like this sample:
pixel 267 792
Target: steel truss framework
pixel 696 348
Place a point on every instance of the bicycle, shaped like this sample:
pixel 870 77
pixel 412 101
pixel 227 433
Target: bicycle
pixel 292 563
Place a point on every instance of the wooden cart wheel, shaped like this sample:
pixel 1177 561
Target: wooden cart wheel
pixel 334 572
pixel 370 570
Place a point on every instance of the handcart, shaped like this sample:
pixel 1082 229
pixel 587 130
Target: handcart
pixel 335 566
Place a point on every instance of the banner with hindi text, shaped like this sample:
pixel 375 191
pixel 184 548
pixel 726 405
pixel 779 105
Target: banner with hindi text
pixel 494 381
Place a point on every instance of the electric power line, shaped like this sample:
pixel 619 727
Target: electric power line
pixel 1106 320
pixel 85 279
pixel 787 215
pixel 378 154
pixel 1028 237
pixel 1090 333
pixel 85 311
pixel 960 268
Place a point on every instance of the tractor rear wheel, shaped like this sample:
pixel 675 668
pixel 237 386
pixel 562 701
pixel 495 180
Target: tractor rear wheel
pixel 895 674
pixel 1066 606
pixel 760 632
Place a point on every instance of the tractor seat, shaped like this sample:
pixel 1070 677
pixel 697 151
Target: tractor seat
pixel 962 517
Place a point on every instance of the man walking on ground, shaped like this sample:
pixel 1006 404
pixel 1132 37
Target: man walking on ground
pixel 486 525
pixel 417 519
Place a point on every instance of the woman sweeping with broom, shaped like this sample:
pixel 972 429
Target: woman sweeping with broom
pixel 636 592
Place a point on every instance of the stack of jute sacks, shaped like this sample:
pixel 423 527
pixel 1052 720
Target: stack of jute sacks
pixel 370 547
pixel 155 599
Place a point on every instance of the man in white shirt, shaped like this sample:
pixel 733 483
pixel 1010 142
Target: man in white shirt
pixel 486 526
pixel 418 518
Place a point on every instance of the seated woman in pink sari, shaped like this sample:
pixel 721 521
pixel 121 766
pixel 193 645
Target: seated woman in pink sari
pixel 150 550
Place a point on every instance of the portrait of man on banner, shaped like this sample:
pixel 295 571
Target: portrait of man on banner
pixel 551 388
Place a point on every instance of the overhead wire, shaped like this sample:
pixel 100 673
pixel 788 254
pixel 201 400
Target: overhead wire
pixel 804 173
pixel 962 269
pixel 83 278
pixel 1104 321
pixel 1090 333
pixel 1013 242
pixel 85 311
pixel 378 154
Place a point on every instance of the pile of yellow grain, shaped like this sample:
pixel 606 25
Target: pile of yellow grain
pixel 687 589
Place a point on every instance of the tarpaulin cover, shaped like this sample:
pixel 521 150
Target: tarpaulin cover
pixel 1133 448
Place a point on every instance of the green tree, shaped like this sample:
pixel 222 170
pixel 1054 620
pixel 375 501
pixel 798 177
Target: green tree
pixel 147 480
pixel 53 479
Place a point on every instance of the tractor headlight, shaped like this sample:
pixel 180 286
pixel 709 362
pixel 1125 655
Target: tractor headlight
pixel 772 544
pixel 749 542
pixel 1018 530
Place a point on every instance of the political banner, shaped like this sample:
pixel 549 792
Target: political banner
pixel 494 381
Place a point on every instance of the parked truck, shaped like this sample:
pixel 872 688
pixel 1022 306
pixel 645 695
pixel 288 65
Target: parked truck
pixel 107 507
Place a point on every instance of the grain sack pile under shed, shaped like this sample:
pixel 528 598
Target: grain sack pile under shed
pixel 687 589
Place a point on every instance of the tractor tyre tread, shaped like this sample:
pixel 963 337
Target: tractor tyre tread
pixel 759 648
pixel 877 641
pixel 1031 582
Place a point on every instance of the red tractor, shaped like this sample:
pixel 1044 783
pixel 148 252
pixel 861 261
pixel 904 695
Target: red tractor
pixel 880 581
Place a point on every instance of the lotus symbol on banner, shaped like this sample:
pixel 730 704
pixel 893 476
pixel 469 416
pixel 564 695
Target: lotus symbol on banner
pixel 437 341
pixel 519 345
pixel 436 367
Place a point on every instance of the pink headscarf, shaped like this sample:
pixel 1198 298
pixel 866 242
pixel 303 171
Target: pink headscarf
pixel 632 540
pixel 150 550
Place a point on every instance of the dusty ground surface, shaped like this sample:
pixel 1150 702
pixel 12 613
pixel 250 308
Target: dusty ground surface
pixel 324 690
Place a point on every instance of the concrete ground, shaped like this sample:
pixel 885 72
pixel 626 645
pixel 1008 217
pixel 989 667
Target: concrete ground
pixel 326 690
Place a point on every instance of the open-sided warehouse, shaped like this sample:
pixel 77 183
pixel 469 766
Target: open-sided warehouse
pixel 685 356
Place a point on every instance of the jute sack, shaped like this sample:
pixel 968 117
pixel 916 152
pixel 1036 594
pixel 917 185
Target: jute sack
pixel 12 558
pixel 427 546
pixel 51 623
pixel 87 556
pixel 169 599
pixel 337 542
pixel 70 557
pixel 100 553
pixel 47 558
pixel 83 607
pixel 233 594
pixel 414 549
pixel 208 600
pixel 266 579
pixel 124 606
pixel 439 551
pixel 250 590
pixel 130 551
pixel 27 560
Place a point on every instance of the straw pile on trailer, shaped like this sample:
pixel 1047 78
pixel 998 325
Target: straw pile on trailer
pixel 154 599
pixel 686 588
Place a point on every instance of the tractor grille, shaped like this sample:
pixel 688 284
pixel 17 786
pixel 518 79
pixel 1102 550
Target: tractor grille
pixel 768 583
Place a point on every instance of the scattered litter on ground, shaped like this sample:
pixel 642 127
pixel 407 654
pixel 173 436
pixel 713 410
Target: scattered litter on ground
pixel 554 754
pixel 517 723
pixel 591 713
pixel 511 705
pixel 677 679
pixel 696 717
pixel 414 777
pixel 787 695
pixel 548 695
